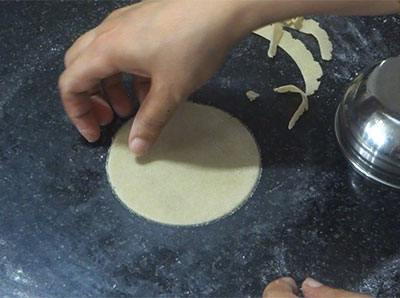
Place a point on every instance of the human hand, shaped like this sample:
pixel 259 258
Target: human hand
pixel 286 287
pixel 170 47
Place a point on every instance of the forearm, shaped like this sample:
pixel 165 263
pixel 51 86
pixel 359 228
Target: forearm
pixel 355 7
pixel 256 13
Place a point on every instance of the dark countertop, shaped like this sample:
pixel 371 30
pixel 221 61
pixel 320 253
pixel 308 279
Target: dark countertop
pixel 64 234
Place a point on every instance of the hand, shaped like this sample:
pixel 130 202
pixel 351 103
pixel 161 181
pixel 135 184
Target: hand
pixel 286 287
pixel 170 47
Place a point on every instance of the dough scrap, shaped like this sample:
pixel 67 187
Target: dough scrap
pixel 295 23
pixel 252 95
pixel 276 38
pixel 309 68
pixel 312 27
pixel 204 165
pixel 302 107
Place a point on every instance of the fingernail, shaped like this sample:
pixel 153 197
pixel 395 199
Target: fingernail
pixel 139 146
pixel 312 283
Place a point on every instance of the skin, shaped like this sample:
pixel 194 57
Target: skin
pixel 286 287
pixel 171 48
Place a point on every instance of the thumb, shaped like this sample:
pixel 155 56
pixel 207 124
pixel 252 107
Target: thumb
pixel 154 113
pixel 314 289
pixel 284 287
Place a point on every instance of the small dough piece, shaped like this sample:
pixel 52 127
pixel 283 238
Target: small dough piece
pixel 312 27
pixel 277 35
pixel 295 23
pixel 252 95
pixel 204 166
pixel 309 68
pixel 302 107
pixel 298 22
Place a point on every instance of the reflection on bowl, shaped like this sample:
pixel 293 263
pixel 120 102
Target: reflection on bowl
pixel 367 123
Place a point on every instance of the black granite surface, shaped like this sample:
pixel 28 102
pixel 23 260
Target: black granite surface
pixel 64 234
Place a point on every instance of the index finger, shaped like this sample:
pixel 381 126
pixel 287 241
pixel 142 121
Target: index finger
pixel 75 84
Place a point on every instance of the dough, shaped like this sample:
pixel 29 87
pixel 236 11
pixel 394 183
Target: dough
pixel 295 23
pixel 302 107
pixel 204 166
pixel 252 95
pixel 310 69
pixel 276 39
pixel 312 27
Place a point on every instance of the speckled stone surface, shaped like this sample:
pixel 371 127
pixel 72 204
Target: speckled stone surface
pixel 64 234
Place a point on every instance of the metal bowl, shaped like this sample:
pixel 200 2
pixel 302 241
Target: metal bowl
pixel 367 123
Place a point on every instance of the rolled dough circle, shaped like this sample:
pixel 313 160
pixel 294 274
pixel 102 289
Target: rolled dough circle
pixel 204 166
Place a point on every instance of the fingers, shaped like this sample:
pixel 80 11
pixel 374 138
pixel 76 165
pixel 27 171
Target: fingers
pixel 142 87
pixel 154 112
pixel 101 109
pixel 78 47
pixel 87 70
pixel 117 96
pixel 314 289
pixel 284 287
pixel 81 76
pixel 79 111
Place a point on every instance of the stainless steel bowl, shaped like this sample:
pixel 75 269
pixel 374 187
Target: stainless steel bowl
pixel 367 123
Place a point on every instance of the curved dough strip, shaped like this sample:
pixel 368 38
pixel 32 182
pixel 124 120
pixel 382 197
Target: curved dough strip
pixel 302 107
pixel 312 27
pixel 309 68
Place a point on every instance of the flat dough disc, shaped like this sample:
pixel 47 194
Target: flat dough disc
pixel 204 166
